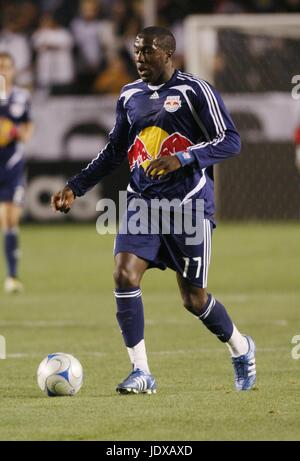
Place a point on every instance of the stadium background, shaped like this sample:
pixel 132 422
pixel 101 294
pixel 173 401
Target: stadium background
pixel 76 55
pixel 75 67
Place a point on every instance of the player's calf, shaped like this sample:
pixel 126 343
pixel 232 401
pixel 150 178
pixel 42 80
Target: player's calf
pixel 242 348
pixel 194 303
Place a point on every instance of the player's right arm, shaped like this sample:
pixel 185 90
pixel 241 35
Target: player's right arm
pixel 110 157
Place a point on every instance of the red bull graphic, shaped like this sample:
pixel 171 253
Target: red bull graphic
pixel 172 103
pixel 154 142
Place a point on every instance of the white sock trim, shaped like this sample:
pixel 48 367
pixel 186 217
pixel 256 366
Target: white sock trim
pixel 237 344
pixel 129 294
pixel 138 356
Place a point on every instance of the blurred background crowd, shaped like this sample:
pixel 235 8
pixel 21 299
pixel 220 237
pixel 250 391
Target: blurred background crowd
pixel 85 46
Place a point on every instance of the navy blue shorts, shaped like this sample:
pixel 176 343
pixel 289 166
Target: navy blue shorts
pixel 12 184
pixel 170 250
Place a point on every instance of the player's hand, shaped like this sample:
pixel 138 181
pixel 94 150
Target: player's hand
pixel 159 167
pixel 63 200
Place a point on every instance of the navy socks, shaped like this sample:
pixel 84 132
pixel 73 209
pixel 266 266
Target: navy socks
pixel 215 318
pixel 130 314
pixel 11 251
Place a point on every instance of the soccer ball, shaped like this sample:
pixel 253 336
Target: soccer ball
pixel 60 374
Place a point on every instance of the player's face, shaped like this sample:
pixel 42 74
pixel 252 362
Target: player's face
pixel 151 60
pixel 7 69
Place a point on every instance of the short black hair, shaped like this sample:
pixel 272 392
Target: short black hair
pixel 166 39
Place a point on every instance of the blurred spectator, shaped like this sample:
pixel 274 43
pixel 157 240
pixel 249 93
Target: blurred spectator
pixel 230 7
pixel 99 34
pixel 63 10
pixel 274 6
pixel 127 24
pixel 112 79
pixel 95 43
pixel 291 6
pixel 170 12
pixel 16 44
pixel 265 6
pixel 54 60
pixel 26 16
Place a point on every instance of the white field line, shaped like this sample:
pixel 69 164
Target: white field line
pixel 217 351
pixel 236 297
pixel 21 355
pixel 149 322
pixel 171 321
pixel 31 355
pixel 45 323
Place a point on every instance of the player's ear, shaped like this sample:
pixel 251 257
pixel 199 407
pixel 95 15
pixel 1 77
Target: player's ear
pixel 168 55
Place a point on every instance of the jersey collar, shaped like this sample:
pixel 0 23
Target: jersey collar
pixel 157 87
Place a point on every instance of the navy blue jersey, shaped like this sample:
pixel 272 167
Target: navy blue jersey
pixel 17 109
pixel 183 114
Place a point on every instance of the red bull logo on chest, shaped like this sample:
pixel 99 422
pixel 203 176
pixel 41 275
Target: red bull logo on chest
pixel 154 142
pixel 172 103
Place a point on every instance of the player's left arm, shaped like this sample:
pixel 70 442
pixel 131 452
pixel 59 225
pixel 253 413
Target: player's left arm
pixel 222 139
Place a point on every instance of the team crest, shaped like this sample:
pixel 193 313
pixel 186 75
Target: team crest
pixel 172 103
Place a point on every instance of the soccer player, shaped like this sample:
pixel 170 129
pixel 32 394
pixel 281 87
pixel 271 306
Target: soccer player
pixel 173 127
pixel 15 130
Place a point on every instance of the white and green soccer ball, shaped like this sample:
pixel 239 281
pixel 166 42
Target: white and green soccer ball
pixel 60 374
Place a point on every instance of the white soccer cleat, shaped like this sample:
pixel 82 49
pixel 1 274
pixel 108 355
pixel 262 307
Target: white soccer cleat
pixel 245 369
pixel 13 285
pixel 137 382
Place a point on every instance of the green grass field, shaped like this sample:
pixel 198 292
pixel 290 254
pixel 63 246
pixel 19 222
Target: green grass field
pixel 68 306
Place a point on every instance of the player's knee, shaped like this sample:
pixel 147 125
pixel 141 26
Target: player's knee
pixel 9 218
pixel 126 278
pixel 11 227
pixel 7 225
pixel 195 303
